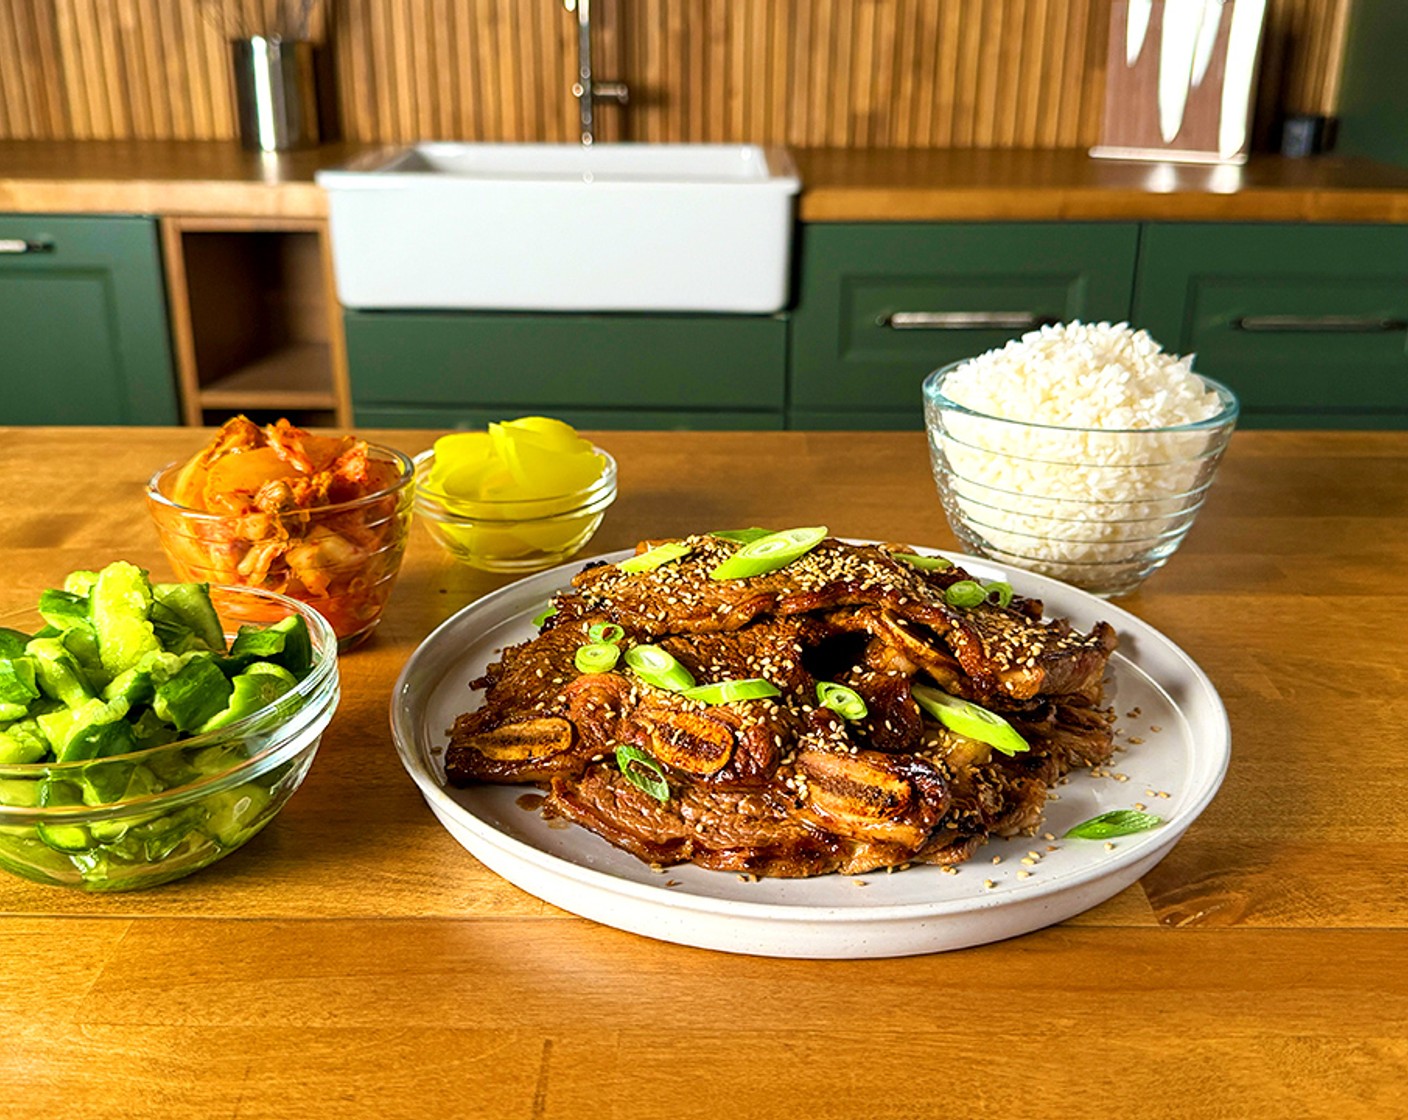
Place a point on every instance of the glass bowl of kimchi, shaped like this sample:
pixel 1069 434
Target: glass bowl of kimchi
pixel 321 519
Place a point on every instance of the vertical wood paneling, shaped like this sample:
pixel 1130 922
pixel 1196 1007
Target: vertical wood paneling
pixel 861 73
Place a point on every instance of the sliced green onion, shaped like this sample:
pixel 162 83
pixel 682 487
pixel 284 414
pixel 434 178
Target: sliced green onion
pixel 727 692
pixel 543 615
pixel 605 632
pixel 965 718
pixel 655 557
pixel 767 554
pixel 642 771
pixel 597 657
pixel 845 702
pixel 1117 822
pixel 742 536
pixel 999 592
pixel 655 666
pixel 924 563
pixel 964 593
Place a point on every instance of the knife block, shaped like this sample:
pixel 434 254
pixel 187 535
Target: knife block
pixel 1180 79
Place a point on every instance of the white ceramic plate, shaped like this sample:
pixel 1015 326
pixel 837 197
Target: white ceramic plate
pixel 920 910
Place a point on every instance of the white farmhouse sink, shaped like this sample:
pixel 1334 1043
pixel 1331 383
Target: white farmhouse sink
pixel 562 227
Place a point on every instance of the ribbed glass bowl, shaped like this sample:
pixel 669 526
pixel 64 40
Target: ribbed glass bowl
pixel 1099 508
pixel 156 815
pixel 342 559
pixel 514 536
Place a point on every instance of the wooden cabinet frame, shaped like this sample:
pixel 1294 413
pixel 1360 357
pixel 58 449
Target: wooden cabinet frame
pixel 255 322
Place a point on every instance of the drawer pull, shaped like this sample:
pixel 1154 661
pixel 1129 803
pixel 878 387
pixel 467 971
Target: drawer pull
pixel 964 320
pixel 1343 324
pixel 18 245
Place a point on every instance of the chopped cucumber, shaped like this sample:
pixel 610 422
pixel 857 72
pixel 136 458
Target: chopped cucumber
pixel 135 686
pixel 21 743
pixel 94 729
pixel 257 687
pixel 190 605
pixel 287 643
pixel 121 603
pixel 12 642
pixel 233 812
pixel 194 695
pixel 19 793
pixel 58 673
pixel 80 583
pixel 55 793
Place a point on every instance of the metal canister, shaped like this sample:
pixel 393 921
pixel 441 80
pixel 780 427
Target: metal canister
pixel 275 93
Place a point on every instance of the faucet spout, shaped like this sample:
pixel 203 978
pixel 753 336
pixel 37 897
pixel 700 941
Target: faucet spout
pixel 585 89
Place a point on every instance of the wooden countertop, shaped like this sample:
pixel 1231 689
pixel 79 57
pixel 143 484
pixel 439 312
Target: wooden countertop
pixel 353 960
pixel 220 178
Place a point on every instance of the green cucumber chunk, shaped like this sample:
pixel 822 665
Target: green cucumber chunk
pixel 80 582
pixel 121 603
pixel 58 673
pixel 12 642
pixel 22 742
pixel 56 793
pixel 257 687
pixel 286 642
pixel 189 605
pixel 94 729
pixel 194 694
pixel 19 793
pixel 234 813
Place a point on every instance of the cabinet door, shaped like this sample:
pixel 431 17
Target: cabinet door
pixel 587 419
pixel 83 332
pixel 1308 324
pixel 634 368
pixel 880 306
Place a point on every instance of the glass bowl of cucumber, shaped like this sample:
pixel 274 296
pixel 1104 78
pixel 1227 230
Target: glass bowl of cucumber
pixel 146 733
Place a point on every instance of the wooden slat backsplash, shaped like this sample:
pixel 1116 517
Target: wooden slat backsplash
pixel 858 73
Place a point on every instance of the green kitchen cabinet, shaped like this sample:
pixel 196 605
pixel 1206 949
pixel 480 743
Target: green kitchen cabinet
pixel 1308 324
pixel 83 328
pixel 451 369
pixel 881 305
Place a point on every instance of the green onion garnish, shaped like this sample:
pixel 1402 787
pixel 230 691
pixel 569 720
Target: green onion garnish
pixel 543 615
pixel 964 593
pixel 924 563
pixel 845 702
pixel 728 692
pixel 742 536
pixel 655 666
pixel 969 720
pixel 642 771
pixel 605 632
pixel 999 592
pixel 596 657
pixel 1117 822
pixel 767 554
pixel 655 557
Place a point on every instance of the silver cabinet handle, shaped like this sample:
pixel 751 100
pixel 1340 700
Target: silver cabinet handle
pixel 20 245
pixel 963 320
pixel 1343 324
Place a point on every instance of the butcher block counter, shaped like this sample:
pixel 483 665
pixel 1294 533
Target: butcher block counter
pixel 219 178
pixel 353 960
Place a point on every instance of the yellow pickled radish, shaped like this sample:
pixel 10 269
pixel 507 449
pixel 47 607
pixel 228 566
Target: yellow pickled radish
pixel 535 462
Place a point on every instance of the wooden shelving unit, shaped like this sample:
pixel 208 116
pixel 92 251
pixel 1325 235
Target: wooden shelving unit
pixel 255 320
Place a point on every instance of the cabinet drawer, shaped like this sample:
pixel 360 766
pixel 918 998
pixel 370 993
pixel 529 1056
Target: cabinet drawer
pixel 83 331
pixel 1307 324
pixel 880 306
pixel 567 362
pixel 588 419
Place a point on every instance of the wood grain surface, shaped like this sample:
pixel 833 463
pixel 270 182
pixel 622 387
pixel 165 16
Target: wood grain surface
pixel 854 73
pixel 352 960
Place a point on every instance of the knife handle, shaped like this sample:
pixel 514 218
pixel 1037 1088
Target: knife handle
pixel 964 320
pixel 1338 324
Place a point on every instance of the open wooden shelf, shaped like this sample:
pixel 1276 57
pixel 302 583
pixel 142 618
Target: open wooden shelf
pixel 256 325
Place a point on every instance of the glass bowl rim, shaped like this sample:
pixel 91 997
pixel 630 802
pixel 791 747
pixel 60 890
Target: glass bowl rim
pixel 436 503
pixel 404 479
pixel 309 688
pixel 1226 416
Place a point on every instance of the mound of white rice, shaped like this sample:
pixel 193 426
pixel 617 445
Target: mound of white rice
pixel 1079 469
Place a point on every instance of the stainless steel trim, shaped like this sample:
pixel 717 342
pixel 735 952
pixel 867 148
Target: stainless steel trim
pixel 963 320
pixel 1342 324
pixel 17 245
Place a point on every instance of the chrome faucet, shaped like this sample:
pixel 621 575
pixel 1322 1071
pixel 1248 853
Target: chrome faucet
pixel 584 89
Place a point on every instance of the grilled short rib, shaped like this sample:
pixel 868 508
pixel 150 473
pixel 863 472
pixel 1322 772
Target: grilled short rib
pixel 782 786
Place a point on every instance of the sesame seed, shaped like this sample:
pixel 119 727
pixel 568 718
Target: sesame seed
pixel 1024 874
pixel 1109 845
pixel 988 884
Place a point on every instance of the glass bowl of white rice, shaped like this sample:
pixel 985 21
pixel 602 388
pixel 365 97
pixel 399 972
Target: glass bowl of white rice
pixel 1081 451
